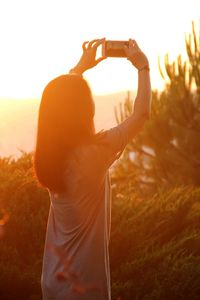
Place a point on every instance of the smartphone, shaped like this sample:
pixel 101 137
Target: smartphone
pixel 114 48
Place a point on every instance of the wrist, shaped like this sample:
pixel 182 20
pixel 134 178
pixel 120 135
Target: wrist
pixel 144 68
pixel 77 70
pixel 139 60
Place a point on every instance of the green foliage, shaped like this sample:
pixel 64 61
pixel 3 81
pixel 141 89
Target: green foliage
pixel 155 244
pixel 155 232
pixel 154 247
pixel 167 151
pixel 21 246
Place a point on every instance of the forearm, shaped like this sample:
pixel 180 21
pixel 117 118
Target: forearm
pixel 78 70
pixel 142 104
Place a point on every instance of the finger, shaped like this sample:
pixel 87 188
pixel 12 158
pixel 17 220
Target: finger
pixel 99 42
pixel 132 42
pixel 84 45
pixel 96 42
pixel 92 42
pixel 100 59
pixel 135 44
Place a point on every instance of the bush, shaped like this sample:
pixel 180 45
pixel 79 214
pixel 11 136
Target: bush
pixel 154 247
pixel 23 240
pixel 167 150
pixel 155 232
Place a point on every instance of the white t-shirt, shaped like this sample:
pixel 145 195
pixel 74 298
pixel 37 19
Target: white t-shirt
pixel 76 252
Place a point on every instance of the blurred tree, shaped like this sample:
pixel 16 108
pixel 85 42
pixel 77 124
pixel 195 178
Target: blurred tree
pixel 167 151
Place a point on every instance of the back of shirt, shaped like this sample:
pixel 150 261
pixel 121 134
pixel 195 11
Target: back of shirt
pixel 79 222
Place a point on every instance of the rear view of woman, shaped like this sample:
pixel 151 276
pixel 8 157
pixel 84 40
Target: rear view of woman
pixel 72 162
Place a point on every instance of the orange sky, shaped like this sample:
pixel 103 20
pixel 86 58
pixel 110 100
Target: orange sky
pixel 41 39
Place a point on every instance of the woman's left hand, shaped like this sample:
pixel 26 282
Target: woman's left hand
pixel 88 59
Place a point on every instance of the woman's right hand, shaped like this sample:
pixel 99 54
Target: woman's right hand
pixel 88 59
pixel 135 55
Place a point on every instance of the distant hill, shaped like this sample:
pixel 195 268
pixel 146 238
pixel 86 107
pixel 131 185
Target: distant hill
pixel 18 121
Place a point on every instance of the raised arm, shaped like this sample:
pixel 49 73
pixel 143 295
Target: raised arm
pixel 142 105
pixel 88 59
pixel 120 135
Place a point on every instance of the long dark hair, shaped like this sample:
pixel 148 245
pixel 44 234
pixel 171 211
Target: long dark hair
pixel 65 120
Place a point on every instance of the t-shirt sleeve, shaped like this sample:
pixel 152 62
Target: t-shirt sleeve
pixel 114 142
pixel 116 138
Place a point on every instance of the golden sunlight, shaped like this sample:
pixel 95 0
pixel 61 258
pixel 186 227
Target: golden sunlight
pixel 42 39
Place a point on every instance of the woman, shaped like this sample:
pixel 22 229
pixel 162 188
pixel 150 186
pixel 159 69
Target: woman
pixel 72 162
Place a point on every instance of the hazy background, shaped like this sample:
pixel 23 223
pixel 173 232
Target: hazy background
pixel 18 121
pixel 42 39
pixel 155 231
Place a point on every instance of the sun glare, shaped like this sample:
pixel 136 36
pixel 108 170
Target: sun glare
pixel 42 39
